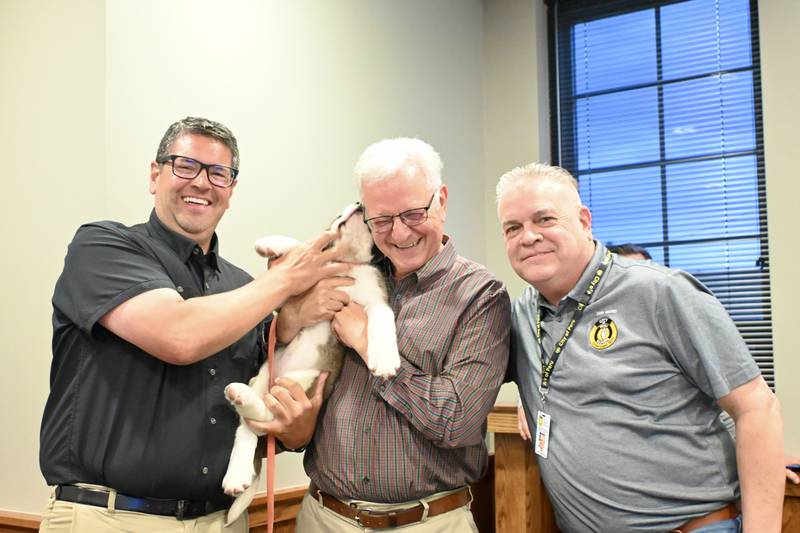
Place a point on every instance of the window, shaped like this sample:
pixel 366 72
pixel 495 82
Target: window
pixel 656 108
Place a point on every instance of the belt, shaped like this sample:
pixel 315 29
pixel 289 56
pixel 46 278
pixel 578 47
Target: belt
pixel 729 512
pixel 180 509
pixel 386 519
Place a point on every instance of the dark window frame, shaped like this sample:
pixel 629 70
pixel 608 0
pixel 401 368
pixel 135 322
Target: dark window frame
pixel 562 15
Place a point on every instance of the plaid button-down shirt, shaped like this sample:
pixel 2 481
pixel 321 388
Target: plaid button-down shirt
pixel 423 430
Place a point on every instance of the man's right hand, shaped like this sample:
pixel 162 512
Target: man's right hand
pixel 309 262
pixel 295 412
pixel 522 424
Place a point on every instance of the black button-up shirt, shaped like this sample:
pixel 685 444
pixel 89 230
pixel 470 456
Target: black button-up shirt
pixel 117 416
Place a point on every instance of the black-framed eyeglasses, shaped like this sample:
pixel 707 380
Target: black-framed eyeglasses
pixel 188 169
pixel 410 217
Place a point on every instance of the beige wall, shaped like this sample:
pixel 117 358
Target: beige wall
pixel 52 149
pixel 515 115
pixel 89 87
pixel 780 43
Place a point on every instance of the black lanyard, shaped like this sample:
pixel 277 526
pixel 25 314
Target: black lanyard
pixel 548 366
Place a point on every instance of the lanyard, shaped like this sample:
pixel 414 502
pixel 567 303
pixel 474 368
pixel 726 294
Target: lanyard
pixel 588 293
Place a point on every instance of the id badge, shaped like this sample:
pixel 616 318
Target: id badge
pixel 542 434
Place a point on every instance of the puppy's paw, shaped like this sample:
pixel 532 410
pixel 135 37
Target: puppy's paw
pixel 246 401
pixel 240 395
pixel 237 479
pixel 384 360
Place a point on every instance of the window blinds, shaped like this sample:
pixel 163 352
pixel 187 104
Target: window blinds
pixel 656 110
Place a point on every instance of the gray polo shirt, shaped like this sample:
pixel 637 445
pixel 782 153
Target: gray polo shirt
pixel 635 438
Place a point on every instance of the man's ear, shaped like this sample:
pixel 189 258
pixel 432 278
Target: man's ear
pixel 585 216
pixel 443 202
pixel 155 172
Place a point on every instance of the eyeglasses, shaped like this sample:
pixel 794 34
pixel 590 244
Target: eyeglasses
pixel 188 169
pixel 411 217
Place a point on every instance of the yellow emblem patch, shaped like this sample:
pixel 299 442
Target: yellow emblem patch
pixel 603 334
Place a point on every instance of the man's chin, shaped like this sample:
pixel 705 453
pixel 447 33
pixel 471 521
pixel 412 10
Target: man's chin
pixel 403 267
pixel 533 275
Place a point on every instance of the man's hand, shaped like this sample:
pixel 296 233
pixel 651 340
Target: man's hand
pixel 316 305
pixel 522 423
pixel 308 262
pixel 350 326
pixel 295 413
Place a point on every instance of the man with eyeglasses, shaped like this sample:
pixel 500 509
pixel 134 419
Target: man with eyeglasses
pixel 150 324
pixel 402 451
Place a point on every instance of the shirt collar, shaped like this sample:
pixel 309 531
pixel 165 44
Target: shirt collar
pixel 580 286
pixel 183 246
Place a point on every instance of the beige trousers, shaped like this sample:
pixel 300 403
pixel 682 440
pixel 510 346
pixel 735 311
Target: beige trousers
pixel 68 517
pixel 314 518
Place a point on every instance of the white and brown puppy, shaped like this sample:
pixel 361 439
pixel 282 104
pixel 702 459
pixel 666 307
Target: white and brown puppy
pixel 315 349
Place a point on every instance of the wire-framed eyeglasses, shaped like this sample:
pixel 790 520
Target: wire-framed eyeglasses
pixel 410 217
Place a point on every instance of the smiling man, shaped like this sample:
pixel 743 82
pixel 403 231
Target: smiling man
pixel 150 324
pixel 623 367
pixel 401 452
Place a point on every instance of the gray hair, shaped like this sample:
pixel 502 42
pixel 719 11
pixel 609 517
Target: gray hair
pixel 531 172
pixel 198 126
pixel 389 157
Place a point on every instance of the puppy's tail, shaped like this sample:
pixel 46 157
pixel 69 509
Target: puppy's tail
pixel 241 503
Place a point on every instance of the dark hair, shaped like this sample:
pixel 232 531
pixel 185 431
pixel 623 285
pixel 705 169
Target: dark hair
pixel 198 126
pixel 629 249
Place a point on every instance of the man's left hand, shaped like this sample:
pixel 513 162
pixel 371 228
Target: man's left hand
pixel 295 413
pixel 350 326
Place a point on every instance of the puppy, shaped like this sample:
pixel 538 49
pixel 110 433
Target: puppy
pixel 315 349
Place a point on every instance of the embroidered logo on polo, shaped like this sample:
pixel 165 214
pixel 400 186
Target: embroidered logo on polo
pixel 603 333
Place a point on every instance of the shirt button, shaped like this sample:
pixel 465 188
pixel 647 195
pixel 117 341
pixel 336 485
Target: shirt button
pixel 212 371
pixel 207 287
pixel 205 470
pixel 366 430
pixel 213 420
pixel 196 251
pixel 179 288
pixel 366 480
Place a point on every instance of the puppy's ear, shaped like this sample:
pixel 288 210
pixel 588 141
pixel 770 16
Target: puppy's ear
pixel 348 211
pixel 274 246
pixel 269 253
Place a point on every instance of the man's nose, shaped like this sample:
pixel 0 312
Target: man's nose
pixel 530 236
pixel 399 228
pixel 202 180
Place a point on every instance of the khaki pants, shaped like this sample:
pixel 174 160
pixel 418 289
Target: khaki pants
pixel 68 517
pixel 314 518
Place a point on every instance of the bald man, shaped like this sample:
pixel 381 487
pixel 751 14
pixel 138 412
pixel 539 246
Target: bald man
pixel 624 367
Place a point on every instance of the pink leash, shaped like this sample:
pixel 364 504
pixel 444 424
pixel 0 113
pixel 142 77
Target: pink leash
pixel 271 438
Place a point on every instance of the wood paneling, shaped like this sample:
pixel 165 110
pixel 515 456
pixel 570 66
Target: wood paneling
pixel 521 503
pixel 11 522
pixel 287 505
